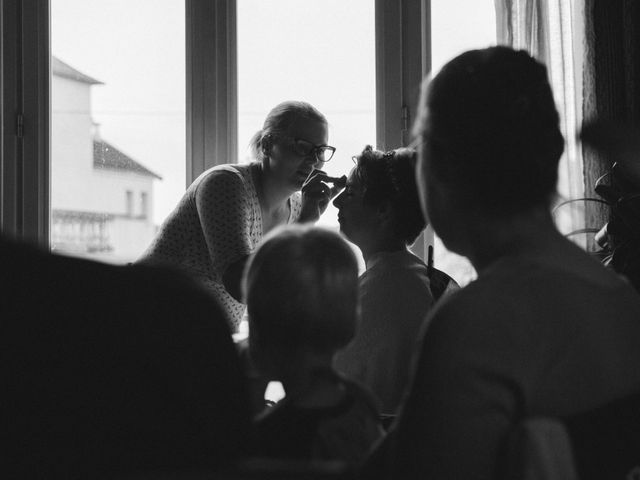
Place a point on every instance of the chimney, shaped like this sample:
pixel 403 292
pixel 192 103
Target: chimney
pixel 95 131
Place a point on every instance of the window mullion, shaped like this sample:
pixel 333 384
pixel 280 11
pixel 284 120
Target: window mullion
pixel 403 57
pixel 211 84
pixel 25 94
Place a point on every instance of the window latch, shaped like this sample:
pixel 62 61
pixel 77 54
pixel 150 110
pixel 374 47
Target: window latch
pixel 405 118
pixel 19 125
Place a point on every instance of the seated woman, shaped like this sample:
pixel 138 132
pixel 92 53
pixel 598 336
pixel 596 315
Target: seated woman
pixel 380 212
pixel 301 290
pixel 227 210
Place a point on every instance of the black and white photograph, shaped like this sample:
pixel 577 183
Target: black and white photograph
pixel 320 239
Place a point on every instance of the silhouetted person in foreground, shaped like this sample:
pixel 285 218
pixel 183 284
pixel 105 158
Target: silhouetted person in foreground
pixel 545 329
pixel 112 370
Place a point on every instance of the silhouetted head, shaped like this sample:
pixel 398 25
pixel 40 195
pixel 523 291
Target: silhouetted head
pixel 301 289
pixel 381 197
pixel 489 135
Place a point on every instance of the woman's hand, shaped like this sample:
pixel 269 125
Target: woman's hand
pixel 317 192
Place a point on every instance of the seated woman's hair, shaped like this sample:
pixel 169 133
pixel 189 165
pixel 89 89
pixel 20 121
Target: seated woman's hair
pixel 301 290
pixel 489 128
pixel 278 121
pixel 390 178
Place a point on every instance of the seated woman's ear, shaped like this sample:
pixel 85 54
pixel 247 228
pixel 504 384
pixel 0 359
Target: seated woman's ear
pixel 266 142
pixel 385 214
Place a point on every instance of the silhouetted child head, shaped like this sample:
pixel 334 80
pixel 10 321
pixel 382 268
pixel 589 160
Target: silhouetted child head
pixel 301 289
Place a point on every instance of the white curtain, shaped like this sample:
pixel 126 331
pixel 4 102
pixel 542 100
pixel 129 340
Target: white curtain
pixel 552 31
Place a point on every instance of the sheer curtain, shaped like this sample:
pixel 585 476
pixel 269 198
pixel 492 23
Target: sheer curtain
pixel 552 31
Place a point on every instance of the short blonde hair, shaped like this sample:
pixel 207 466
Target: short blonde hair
pixel 301 289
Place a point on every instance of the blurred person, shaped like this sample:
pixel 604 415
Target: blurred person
pixel 110 370
pixel 226 211
pixel 379 211
pixel 545 329
pixel 302 291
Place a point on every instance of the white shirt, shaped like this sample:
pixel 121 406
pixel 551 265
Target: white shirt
pixel 395 298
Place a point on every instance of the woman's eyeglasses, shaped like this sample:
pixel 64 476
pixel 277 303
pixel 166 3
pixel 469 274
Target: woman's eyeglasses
pixel 323 153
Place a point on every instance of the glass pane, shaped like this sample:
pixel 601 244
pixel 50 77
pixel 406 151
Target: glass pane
pixel 320 51
pixel 458 25
pixel 118 123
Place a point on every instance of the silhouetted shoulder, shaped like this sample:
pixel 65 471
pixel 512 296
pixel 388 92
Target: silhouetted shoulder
pixel 115 368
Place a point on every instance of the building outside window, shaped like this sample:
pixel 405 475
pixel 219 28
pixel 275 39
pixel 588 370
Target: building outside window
pixel 118 124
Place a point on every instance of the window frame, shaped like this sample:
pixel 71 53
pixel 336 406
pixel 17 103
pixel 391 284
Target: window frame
pixel 25 118
pixel 211 96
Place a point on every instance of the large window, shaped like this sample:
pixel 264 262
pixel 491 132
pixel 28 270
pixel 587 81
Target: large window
pixel 118 104
pixel 120 122
pixel 117 123
pixel 141 96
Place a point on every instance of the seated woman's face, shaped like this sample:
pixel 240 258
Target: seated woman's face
pixel 357 220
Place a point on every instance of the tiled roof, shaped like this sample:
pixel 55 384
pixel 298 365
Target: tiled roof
pixel 109 157
pixel 61 69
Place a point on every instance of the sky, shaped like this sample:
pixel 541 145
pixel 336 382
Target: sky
pixel 136 48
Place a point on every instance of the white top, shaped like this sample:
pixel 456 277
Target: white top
pixel 217 222
pixel 395 297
